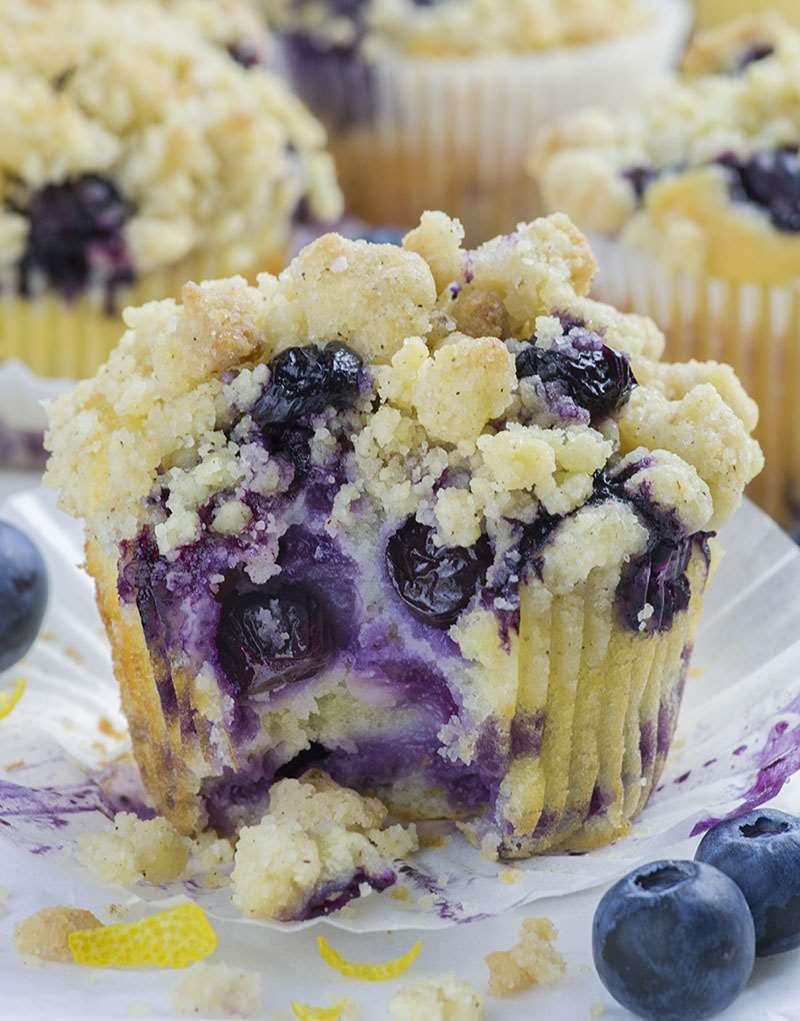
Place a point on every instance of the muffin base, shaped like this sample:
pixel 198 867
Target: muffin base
pixel 753 327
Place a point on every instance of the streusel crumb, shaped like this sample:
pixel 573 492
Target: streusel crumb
pixel 437 999
pixel 46 934
pixel 218 990
pixel 534 961
pixel 317 836
pixel 135 850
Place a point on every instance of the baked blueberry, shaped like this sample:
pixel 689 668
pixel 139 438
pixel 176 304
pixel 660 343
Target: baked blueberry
pixel 435 582
pixel 23 594
pixel 595 376
pixel 75 236
pixel 674 941
pixel 272 637
pixel 770 179
pixel 306 380
pixel 657 580
pixel 760 851
pixel 751 55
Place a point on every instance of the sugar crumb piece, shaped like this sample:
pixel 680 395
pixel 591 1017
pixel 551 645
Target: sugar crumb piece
pixel 534 961
pixel 597 1010
pixel 510 876
pixel 135 850
pixel 437 999
pixel 46 934
pixel 400 893
pixel 218 990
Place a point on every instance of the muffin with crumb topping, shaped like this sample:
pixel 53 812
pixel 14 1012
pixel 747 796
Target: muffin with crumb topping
pixel 694 201
pixel 432 103
pixel 135 155
pixel 428 519
pixel 239 26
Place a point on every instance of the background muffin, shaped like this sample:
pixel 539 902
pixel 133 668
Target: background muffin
pixel 434 105
pixel 135 155
pixel 237 25
pixel 698 194
pixel 715 12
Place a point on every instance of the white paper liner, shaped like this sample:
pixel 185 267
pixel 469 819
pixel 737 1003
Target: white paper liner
pixel 22 415
pixel 738 740
pixel 753 327
pixel 455 133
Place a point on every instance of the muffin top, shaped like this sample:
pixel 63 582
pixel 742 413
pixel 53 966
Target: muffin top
pixel 237 25
pixel 129 142
pixel 456 394
pixel 453 28
pixel 706 174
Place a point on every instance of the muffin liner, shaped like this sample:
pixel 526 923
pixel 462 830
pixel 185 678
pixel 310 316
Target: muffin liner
pixel 22 415
pixel 753 327
pixel 410 134
pixel 70 339
pixel 65 768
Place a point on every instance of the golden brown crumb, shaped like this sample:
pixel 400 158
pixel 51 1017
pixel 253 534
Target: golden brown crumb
pixel 534 961
pixel 46 934
pixel 510 876
pixel 106 727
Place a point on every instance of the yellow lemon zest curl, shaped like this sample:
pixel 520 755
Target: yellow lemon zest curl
pixel 170 939
pixel 367 972
pixel 304 1012
pixel 9 699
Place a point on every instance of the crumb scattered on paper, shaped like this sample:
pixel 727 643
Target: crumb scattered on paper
pixel 134 850
pixel 437 999
pixel 510 876
pixel 46 934
pixel 217 990
pixel 534 961
pixel 597 1010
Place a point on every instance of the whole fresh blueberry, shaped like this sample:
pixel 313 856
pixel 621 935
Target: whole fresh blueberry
pixel 674 941
pixel 75 236
pixel 760 851
pixel 770 179
pixel 595 376
pixel 272 636
pixel 306 380
pixel 435 582
pixel 23 594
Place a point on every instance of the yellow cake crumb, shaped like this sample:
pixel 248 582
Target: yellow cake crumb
pixel 510 876
pixel 46 934
pixel 218 990
pixel 597 1010
pixel 534 961
pixel 437 999
pixel 135 850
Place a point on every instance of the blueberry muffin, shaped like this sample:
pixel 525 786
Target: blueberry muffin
pixel 427 519
pixel 135 155
pixel 432 103
pixel 695 201
pixel 239 26
pixel 711 13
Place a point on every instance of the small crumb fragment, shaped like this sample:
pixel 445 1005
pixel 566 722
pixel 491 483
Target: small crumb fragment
pixel 135 850
pixel 46 934
pixel 4 895
pixel 400 893
pixel 437 999
pixel 534 961
pixel 107 728
pixel 510 876
pixel 217 990
pixel 597 1010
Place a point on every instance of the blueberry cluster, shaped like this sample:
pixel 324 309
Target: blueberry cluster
pixel 676 940
pixel 76 238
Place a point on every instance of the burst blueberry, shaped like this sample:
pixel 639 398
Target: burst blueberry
pixel 305 381
pixel 674 941
pixel 760 852
pixel 23 594
pixel 271 637
pixel 76 237
pixel 595 376
pixel 435 582
pixel 771 180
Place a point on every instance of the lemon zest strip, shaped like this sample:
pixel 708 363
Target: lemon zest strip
pixel 9 699
pixel 305 1012
pixel 367 972
pixel 170 939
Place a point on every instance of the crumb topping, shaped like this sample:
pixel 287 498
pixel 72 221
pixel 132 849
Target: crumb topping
pixel 135 850
pixel 437 999
pixel 46 934
pixel 131 93
pixel 317 839
pixel 534 961
pixel 218 990
pixel 453 28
